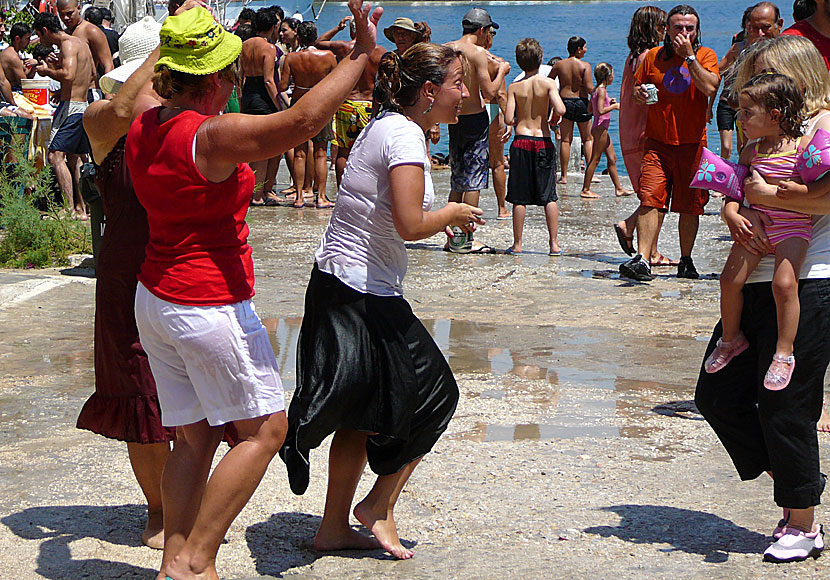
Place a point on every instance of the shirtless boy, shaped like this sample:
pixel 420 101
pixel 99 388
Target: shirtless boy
pixel 260 95
pixel 75 70
pixel 575 88
pixel 93 36
pixel 469 147
pixel 13 67
pixel 308 66
pixel 354 113
pixel 533 106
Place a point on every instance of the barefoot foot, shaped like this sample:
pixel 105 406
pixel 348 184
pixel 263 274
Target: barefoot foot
pixel 345 538
pixel 624 192
pixel 588 194
pixel 153 534
pixel 562 181
pixel 382 526
pixel 824 421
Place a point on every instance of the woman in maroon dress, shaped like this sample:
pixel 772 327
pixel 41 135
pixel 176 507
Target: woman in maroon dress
pixel 125 405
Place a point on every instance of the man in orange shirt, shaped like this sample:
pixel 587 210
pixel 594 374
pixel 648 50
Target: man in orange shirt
pixel 686 75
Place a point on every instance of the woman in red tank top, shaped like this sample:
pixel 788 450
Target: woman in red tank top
pixel 208 350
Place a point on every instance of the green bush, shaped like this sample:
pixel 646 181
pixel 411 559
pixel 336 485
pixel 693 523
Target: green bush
pixel 30 238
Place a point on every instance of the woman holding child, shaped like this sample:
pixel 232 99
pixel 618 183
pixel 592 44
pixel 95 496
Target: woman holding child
pixel 775 430
pixel 208 350
pixel 394 398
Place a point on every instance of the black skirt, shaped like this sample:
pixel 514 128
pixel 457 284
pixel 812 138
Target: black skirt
pixel 366 363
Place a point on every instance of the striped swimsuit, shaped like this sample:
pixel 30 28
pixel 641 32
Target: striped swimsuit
pixel 785 224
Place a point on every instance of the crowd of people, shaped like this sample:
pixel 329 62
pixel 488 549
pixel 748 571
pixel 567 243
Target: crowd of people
pixel 180 352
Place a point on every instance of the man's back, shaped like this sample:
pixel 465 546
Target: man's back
pixel 533 97
pixel 366 83
pixel 308 66
pixel 574 78
pixel 257 53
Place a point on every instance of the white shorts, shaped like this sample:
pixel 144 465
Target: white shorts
pixel 209 362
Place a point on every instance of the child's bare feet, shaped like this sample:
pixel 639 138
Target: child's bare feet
pixel 824 421
pixel 624 192
pixel 382 525
pixel 588 194
pixel 153 534
pixel 344 538
pixel 562 181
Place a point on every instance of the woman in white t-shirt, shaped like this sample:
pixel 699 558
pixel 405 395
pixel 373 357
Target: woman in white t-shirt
pixel 775 431
pixel 367 369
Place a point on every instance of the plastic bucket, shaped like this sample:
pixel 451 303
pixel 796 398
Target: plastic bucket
pixel 36 91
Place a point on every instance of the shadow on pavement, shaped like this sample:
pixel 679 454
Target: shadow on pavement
pixel 285 541
pixel 687 531
pixel 59 526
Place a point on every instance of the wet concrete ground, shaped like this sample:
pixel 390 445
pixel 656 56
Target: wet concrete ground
pixel 575 450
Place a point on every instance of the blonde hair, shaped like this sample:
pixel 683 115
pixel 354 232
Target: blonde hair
pixel 167 83
pixel 602 72
pixel 795 57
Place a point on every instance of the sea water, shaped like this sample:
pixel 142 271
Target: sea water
pixel 604 25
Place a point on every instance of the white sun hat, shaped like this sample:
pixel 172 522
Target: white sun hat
pixel 134 46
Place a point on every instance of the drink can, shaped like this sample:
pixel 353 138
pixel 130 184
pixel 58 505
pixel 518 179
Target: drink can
pixel 652 94
pixel 461 242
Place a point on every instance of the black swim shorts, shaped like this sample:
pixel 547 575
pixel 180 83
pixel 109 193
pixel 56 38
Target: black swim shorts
pixel 576 110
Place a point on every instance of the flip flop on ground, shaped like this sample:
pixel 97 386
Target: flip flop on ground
pixel 663 261
pixel 626 242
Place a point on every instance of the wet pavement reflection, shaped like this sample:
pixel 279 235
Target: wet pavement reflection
pixel 539 375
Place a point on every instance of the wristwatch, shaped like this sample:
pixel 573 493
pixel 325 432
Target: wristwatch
pixel 690 59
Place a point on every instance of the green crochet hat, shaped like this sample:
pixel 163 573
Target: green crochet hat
pixel 193 42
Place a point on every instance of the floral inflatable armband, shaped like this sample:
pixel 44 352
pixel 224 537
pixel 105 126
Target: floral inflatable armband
pixel 718 174
pixel 814 161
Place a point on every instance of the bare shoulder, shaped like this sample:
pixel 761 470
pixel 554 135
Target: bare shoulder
pixel 823 121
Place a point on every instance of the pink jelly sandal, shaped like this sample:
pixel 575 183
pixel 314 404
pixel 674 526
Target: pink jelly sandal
pixel 725 352
pixel 780 372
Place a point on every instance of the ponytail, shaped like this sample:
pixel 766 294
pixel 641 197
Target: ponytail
pixel 400 78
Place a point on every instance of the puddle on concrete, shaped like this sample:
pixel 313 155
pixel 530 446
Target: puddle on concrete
pixel 482 432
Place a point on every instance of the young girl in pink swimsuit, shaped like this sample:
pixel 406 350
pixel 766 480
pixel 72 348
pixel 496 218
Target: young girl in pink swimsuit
pixel 770 111
pixel 602 105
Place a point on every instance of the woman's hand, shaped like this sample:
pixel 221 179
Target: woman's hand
pixel 746 226
pixel 464 216
pixel 366 25
pixel 754 185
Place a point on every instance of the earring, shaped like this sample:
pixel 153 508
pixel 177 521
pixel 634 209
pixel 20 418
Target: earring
pixel 428 108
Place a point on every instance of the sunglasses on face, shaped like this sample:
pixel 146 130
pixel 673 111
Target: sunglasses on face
pixel 492 31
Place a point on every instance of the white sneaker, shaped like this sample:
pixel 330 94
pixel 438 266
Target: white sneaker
pixel 795 545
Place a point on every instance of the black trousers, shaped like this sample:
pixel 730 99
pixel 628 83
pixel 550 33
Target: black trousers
pixel 773 430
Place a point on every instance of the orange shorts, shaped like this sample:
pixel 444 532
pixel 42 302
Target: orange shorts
pixel 665 174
